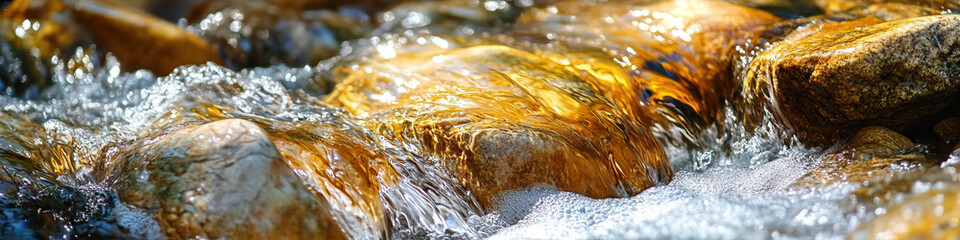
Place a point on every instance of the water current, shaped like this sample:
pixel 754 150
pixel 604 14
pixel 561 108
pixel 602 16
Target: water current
pixel 357 128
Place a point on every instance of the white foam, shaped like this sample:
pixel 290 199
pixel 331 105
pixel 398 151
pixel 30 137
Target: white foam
pixel 738 188
pixel 732 203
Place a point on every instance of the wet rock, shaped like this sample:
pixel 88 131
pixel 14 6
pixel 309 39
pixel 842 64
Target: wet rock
pixel 830 79
pixel 948 129
pixel 873 151
pixel 878 141
pixel 266 33
pixel 886 9
pixel 922 204
pixel 783 8
pixel 930 215
pixel 672 57
pixel 225 179
pixel 667 64
pixel 451 17
pixel 137 39
pixel 141 41
pixel 500 119
pixel 26 46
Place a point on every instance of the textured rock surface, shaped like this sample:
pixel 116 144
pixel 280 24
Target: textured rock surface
pixel 948 130
pixel 878 141
pixel 674 57
pixel 502 119
pixel 225 179
pixel 873 151
pixel 830 79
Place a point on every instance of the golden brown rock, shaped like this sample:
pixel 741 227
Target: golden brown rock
pixel 878 141
pixel 225 179
pixel 141 41
pixel 343 166
pixel 830 79
pixel 872 152
pixel 137 39
pixel 499 119
pixel 930 215
pixel 672 57
pixel 922 204
pixel 948 129
pixel 28 151
pixel 887 9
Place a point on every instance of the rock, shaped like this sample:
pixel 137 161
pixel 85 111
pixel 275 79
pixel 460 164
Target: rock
pixel 501 119
pixel 948 129
pixel 886 9
pixel 921 204
pixel 141 41
pixel 873 151
pixel 674 56
pixel 830 79
pixel 783 8
pixel 29 37
pixel 342 162
pixel 930 215
pixel 878 141
pixel 267 33
pixel 137 39
pixel 225 179
pixel 892 11
pixel 450 17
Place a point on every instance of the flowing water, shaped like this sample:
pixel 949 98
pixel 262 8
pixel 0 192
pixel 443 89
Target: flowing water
pixel 357 129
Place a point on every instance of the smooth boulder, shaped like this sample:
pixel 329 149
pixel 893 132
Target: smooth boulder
pixel 502 119
pixel 225 179
pixel 828 80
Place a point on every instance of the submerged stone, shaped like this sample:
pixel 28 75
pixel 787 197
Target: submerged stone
pixel 827 80
pixel 502 119
pixel 225 179
pixel 930 215
pixel 872 152
pixel 923 204
pixel 266 33
pixel 674 58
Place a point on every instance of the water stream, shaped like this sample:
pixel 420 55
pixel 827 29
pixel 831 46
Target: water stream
pixel 356 129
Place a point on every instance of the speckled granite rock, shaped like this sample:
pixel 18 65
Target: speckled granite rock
pixel 831 79
pixel 226 179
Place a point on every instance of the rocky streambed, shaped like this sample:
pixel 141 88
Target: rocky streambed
pixel 650 119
